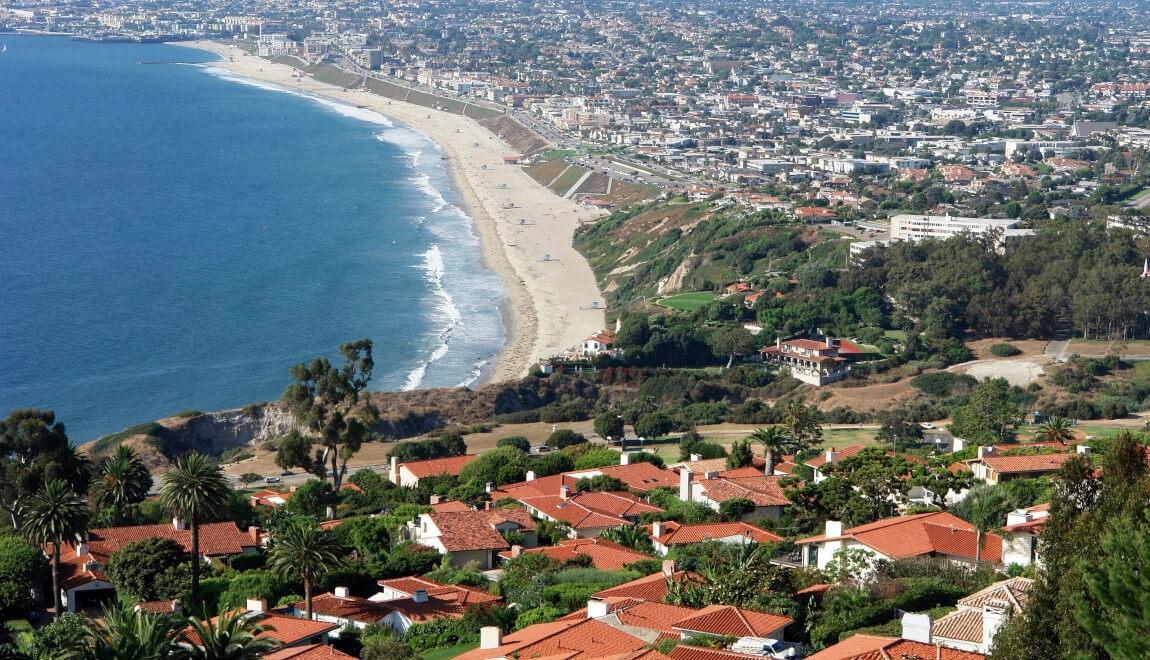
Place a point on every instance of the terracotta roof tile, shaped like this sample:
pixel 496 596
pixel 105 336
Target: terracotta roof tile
pixel 462 594
pixel 1015 591
pixel 845 452
pixel 963 625
pixel 308 652
pixel 686 652
pixel 438 466
pixel 1026 464
pixel 605 555
pixel 871 647
pixel 922 534
pixel 652 587
pixel 677 534
pixel 760 489
pixel 734 622
pixel 475 530
pixel 351 608
pixel 288 630
pixel 574 640
pixel 591 510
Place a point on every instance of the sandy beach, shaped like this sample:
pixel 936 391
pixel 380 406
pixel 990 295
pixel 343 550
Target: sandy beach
pixel 518 221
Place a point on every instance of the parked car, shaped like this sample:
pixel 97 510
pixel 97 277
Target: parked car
pixel 271 480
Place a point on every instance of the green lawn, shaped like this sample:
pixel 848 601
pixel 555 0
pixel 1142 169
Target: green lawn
pixel 897 335
pixel 21 629
pixel 687 302
pixel 448 652
pixel 1142 369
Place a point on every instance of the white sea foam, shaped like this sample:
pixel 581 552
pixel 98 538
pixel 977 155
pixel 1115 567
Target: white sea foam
pixel 434 269
pixel 362 114
pixel 422 181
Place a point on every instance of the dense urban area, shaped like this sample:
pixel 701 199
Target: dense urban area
pixel 875 381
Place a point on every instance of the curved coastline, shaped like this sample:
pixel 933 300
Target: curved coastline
pixel 548 301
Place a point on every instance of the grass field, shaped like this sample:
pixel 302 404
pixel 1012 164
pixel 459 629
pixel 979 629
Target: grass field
pixel 687 302
pixel 545 171
pixel 568 179
pixel 448 652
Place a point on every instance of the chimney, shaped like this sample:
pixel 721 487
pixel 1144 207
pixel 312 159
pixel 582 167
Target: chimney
pixel 685 485
pixel 1083 449
pixel 81 549
pixel 564 491
pixel 342 592
pixel 488 487
pixel 832 456
pixel 254 534
pixel 516 551
pixel 420 596
pixel 433 500
pixel 490 637
pixel 696 457
pixel 393 471
pixel 624 458
pixel 257 605
pixel 668 567
pixel 330 511
pixel 778 342
pixel 830 341
pixel 916 627
pixel 993 616
pixel 833 529
pixel 656 529
pixel 487 506
pixel 530 475
pixel 596 609
pixel 713 474
pixel 178 524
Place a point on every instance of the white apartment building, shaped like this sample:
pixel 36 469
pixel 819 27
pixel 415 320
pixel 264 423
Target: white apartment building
pixel 913 227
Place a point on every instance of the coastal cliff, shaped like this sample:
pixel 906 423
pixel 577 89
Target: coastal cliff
pixel 402 415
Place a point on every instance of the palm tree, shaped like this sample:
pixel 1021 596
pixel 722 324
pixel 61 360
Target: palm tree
pixel 775 441
pixel 802 425
pixel 124 481
pixel 230 636
pixel 631 536
pixel 195 490
pixel 984 508
pixel 55 515
pixel 127 633
pixel 1056 429
pixel 302 549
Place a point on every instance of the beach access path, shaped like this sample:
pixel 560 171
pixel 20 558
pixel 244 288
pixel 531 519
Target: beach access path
pixel 526 231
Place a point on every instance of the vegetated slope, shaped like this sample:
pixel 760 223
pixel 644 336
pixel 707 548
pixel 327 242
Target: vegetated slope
pixel 663 247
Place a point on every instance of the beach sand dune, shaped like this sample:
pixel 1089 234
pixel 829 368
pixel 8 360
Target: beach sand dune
pixel 549 301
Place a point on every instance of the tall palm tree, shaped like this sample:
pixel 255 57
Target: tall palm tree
pixel 301 549
pixel 775 441
pixel 195 490
pixel 55 514
pixel 127 633
pixel 230 636
pixel 1056 429
pixel 985 508
pixel 631 536
pixel 123 482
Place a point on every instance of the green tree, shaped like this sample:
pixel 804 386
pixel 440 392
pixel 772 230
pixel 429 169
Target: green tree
pixel 563 438
pixel 741 455
pixel 654 425
pixel 599 482
pixel 775 442
pixel 990 414
pixel 230 636
pixel 734 509
pixel 331 402
pixel 386 647
pixel 60 638
pixel 631 536
pixel 294 451
pixel 124 482
pixel 54 516
pixel 23 568
pixel 1056 429
pixel 899 433
pixel 311 499
pixel 1117 580
pixel 517 441
pixel 194 490
pixel 597 457
pixel 249 478
pixel 367 535
pixel 731 341
pixel 802 426
pixel 503 465
pixel 137 569
pixel 304 550
pixel 609 424
pixel 126 633
pixel 34 449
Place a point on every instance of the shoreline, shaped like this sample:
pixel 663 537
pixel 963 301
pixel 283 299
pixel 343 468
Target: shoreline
pixel 549 285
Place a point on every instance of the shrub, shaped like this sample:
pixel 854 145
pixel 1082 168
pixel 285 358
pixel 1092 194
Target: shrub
pixel 517 441
pixel 1004 350
pixel 565 438
pixel 942 383
pixel 22 568
pixel 598 457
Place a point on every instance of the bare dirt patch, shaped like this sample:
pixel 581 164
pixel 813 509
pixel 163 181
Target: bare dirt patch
pixel 869 398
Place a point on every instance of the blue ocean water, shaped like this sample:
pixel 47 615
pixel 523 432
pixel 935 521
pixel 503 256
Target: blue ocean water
pixel 174 238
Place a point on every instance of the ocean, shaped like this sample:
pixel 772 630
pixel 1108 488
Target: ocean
pixel 174 238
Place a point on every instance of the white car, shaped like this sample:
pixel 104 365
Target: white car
pixel 926 425
pixel 271 480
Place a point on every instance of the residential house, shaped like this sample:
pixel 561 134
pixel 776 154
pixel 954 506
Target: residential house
pixel 874 647
pixel 472 536
pixel 428 601
pixel 935 534
pixel 651 587
pixel 815 362
pixel 308 652
pixel 589 514
pixel 289 631
pixel 641 477
pixel 571 640
pixel 601 553
pixel 668 535
pixel 830 457
pixel 1021 533
pixel 994 468
pixel 409 474
pixel 714 488
pixel 600 342
pixel 82 578
pixel 973 626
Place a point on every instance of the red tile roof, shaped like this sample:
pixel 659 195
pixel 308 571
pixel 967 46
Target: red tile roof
pixel 1026 464
pixel 463 595
pixel 288 630
pixel 652 587
pixel 350 608
pixel 438 466
pixel 845 452
pixel 461 531
pixel 687 652
pixel 605 555
pixel 453 505
pixel 308 652
pixel 678 534
pixel 731 621
pixel 640 477
pixel 871 647
pixel 591 510
pixel 571 640
pixel 760 489
pixel 922 534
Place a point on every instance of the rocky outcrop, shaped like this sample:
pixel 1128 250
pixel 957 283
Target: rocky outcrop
pixel 217 432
